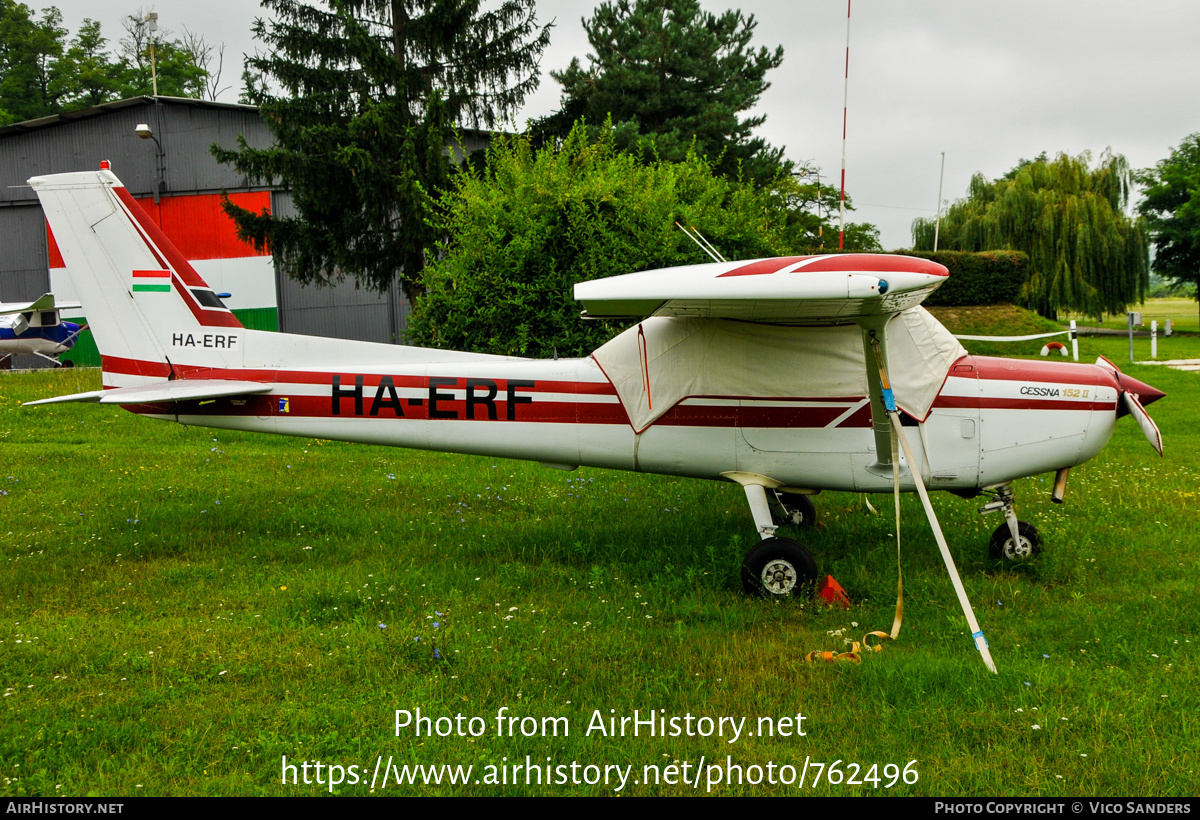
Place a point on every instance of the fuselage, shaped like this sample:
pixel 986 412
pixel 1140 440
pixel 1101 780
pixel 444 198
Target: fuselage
pixel 993 420
pixel 44 340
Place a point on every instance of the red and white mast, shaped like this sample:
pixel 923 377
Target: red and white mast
pixel 845 100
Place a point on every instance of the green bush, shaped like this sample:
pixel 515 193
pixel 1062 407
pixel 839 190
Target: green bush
pixel 523 230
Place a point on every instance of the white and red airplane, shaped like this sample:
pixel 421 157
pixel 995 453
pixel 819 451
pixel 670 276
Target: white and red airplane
pixel 788 376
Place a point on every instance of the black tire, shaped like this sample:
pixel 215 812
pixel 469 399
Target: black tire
pixel 67 363
pixel 779 568
pixel 793 509
pixel 1002 547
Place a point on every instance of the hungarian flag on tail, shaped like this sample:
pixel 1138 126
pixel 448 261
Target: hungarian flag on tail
pixel 151 281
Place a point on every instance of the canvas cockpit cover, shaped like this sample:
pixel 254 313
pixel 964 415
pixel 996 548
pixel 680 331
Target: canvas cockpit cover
pixel 661 361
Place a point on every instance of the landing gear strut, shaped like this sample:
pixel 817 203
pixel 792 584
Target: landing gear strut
pixel 1013 540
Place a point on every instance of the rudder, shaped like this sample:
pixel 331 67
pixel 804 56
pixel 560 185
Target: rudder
pixel 149 311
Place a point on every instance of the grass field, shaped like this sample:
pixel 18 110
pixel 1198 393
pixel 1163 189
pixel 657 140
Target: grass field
pixel 183 608
pixel 1183 313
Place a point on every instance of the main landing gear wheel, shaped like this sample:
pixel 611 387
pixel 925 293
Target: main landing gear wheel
pixel 1029 545
pixel 779 568
pixel 793 509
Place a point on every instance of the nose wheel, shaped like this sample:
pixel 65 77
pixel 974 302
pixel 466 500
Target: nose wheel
pixel 1027 544
pixel 1013 540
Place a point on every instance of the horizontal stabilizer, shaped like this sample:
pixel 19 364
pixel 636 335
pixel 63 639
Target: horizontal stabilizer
pixel 183 390
pixel 795 290
pixel 46 302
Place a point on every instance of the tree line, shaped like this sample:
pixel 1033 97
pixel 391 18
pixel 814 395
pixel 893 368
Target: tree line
pixel 44 70
pixel 362 97
pixel 1089 250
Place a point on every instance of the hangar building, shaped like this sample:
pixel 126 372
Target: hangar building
pixel 173 175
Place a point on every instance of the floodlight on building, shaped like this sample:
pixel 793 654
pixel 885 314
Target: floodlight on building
pixel 144 131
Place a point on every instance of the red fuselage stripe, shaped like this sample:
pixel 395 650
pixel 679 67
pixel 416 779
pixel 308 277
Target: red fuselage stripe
pixel 374 396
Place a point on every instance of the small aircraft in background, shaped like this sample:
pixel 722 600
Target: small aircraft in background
pixel 36 328
pixel 787 376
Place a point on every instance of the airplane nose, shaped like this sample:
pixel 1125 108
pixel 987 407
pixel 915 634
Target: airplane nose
pixel 1144 392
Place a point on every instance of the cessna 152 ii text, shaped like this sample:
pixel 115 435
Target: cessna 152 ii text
pixel 788 376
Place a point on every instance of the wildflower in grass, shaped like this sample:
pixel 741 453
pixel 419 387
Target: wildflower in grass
pixel 382 625
pixel 1035 726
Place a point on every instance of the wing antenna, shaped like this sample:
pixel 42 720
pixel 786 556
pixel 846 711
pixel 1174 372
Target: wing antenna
pixel 706 246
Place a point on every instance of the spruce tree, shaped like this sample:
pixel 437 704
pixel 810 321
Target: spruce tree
pixel 361 96
pixel 668 74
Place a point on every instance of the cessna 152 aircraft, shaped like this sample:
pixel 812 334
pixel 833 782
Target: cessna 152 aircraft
pixel 788 376
pixel 35 328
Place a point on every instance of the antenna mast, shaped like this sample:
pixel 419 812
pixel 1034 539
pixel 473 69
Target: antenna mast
pixel 845 100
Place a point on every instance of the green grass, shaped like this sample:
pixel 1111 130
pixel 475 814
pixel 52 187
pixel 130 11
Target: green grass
pixel 1183 313
pixel 184 607
pixel 1007 320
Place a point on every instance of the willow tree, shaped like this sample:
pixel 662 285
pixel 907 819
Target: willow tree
pixel 1086 253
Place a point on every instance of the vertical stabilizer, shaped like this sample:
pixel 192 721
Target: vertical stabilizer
pixel 150 312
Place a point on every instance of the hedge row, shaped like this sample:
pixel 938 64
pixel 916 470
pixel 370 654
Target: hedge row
pixel 978 278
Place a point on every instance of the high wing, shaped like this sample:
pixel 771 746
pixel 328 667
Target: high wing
pixel 46 302
pixel 823 290
pixel 189 390
pixel 792 290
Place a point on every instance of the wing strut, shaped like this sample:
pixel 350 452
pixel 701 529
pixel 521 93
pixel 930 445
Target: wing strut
pixel 897 436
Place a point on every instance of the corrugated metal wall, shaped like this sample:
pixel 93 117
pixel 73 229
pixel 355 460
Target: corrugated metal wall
pixel 80 140
pixel 23 266
pixel 185 130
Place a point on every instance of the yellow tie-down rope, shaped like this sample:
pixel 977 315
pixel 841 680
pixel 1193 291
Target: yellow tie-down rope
pixel 858 647
pixel 898 439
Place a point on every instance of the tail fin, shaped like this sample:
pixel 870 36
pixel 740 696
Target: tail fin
pixel 149 311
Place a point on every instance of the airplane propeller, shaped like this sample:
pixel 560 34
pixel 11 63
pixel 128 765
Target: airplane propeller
pixel 1135 395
